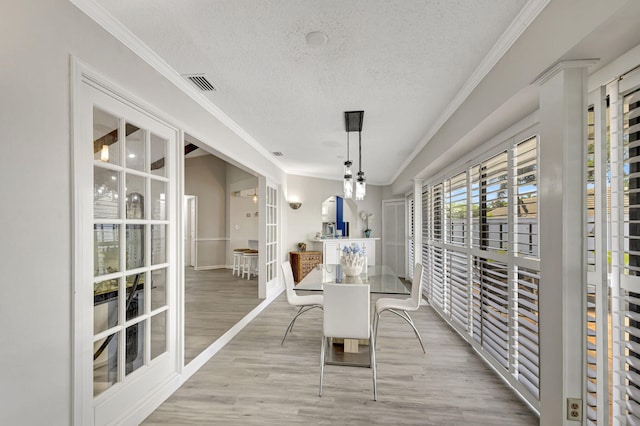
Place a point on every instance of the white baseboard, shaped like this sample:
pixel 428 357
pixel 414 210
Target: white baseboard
pixel 207 267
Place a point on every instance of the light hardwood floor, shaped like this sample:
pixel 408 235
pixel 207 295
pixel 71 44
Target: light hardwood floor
pixel 214 301
pixel 254 380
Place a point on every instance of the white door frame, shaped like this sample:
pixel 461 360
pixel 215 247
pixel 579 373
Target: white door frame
pixel 190 230
pixel 127 400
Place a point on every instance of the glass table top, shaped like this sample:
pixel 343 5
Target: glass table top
pixel 380 278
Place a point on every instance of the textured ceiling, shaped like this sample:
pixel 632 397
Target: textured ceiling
pixel 400 61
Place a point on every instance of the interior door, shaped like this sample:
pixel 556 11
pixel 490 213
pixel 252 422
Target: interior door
pixel 393 235
pixel 125 197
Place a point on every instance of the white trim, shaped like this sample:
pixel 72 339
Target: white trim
pixel 86 84
pixel 615 69
pixel 208 267
pixel 561 66
pixel 526 16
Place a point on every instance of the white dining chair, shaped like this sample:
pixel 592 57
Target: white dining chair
pixel 347 314
pixel 401 307
pixel 305 303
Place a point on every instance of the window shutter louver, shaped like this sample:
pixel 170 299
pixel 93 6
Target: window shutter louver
pixel 411 252
pixel 631 258
pixel 526 193
pixel 458 272
pixel 526 295
pixel 491 278
pixel 426 246
pixel 493 203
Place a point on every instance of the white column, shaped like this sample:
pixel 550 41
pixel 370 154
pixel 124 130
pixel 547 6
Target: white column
pixel 563 104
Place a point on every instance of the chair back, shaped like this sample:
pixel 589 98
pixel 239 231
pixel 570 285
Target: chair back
pixel 416 286
pixel 347 311
pixel 289 283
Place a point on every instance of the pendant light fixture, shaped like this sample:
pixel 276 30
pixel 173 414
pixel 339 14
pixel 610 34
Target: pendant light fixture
pixel 348 175
pixel 361 184
pixel 353 122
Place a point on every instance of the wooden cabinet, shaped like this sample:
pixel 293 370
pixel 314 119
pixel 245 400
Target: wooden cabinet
pixel 302 262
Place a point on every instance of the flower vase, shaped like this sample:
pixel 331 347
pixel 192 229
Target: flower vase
pixel 352 265
pixel 367 233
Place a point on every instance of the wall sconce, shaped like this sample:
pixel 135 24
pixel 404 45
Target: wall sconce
pixel 295 206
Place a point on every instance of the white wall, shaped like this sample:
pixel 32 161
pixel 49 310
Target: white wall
pixel 36 41
pixel 302 224
pixel 244 220
pixel 205 177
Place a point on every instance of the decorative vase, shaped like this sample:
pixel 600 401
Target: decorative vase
pixel 352 266
pixel 367 233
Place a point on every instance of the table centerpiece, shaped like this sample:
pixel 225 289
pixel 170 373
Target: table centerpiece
pixel 352 260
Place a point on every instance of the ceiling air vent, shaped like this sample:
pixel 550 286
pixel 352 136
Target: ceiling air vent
pixel 201 82
pixel 278 153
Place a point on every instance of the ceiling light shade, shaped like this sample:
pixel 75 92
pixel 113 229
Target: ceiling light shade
pixel 348 187
pixel 361 186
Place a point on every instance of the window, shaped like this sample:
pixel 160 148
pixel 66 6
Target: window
pixel 130 226
pixel 480 250
pixel 631 257
pixel 272 233
pixel 411 252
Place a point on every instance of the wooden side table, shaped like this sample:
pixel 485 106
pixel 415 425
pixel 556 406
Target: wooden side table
pixel 302 262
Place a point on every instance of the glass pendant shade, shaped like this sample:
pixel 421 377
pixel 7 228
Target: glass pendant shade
pixel 361 189
pixel 348 187
pixel 348 180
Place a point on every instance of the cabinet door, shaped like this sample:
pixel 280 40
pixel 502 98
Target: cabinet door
pixel 331 253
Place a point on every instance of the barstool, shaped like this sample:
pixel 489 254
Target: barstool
pixel 249 263
pixel 237 260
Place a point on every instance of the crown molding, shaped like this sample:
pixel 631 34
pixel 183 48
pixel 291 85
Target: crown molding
pixel 561 66
pixel 141 49
pixel 522 21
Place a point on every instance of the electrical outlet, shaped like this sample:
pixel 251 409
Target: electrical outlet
pixel 574 409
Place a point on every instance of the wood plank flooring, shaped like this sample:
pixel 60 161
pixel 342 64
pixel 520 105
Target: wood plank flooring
pixel 255 381
pixel 214 301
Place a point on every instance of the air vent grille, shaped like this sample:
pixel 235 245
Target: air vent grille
pixel 278 153
pixel 201 82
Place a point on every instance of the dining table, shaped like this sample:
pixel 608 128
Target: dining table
pixel 381 280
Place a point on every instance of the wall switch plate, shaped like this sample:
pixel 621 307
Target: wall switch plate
pixel 574 409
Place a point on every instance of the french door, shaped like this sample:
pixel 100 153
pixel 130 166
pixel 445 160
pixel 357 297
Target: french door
pixel 126 248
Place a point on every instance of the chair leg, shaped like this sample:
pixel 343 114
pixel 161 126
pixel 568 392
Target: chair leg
pixel 372 360
pixel 376 319
pixel 405 316
pixel 301 311
pixel 322 354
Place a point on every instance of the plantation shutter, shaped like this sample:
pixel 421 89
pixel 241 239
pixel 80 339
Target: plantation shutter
pixel 411 252
pixel 426 243
pixel 631 258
